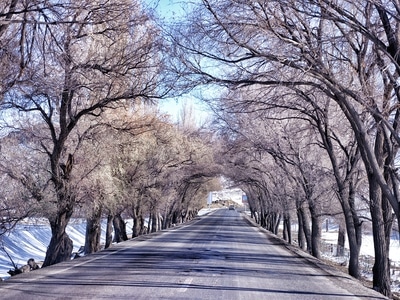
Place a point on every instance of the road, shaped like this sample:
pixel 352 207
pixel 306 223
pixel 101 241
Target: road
pixel 218 256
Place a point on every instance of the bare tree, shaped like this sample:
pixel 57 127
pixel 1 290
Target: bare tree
pixel 159 172
pixel 87 57
pixel 23 187
pixel 15 42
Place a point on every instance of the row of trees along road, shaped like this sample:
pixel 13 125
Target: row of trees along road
pixel 310 109
pixel 78 132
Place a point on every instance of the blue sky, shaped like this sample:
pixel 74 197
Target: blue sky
pixel 170 10
pixel 167 8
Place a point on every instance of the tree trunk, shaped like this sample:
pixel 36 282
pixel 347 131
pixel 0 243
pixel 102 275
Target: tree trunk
pixel 142 225
pixel 354 246
pixel 149 224
pixel 316 229
pixel 136 221
pixel 287 230
pixel 354 232
pixel 154 222
pixel 341 240
pixel 381 268
pixel 191 215
pixel 175 217
pixel 160 222
pixel 269 221
pixel 169 217
pixel 263 221
pixel 252 206
pixel 109 231
pixel 182 216
pixel 61 246
pixel 305 227
pixel 119 229
pixel 93 231
pixel 165 222
pixel 262 216
pixel 278 221
pixel 253 215
pixel 353 229
pixel 300 232
pixel 135 227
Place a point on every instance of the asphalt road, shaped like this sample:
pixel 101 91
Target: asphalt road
pixel 219 256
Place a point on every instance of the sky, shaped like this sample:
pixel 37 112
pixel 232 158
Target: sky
pixel 167 8
pixel 170 10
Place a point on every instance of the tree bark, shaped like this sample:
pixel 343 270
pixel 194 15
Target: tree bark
pixel 119 229
pixel 142 225
pixel 135 227
pixel 300 233
pixel 165 222
pixel 316 229
pixel 93 231
pixel 287 228
pixel 306 228
pixel 354 232
pixel 109 231
pixel 154 222
pixel 381 268
pixel 277 222
pixel 136 221
pixel 341 240
pixel 60 246
pixel 253 214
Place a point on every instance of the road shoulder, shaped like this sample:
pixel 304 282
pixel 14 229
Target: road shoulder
pixel 344 280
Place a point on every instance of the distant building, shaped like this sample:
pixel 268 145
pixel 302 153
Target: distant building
pixel 235 195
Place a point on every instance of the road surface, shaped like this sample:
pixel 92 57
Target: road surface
pixel 218 256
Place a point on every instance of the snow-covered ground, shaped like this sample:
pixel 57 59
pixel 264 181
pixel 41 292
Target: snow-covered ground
pixel 31 238
pixel 367 255
pixel 367 246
